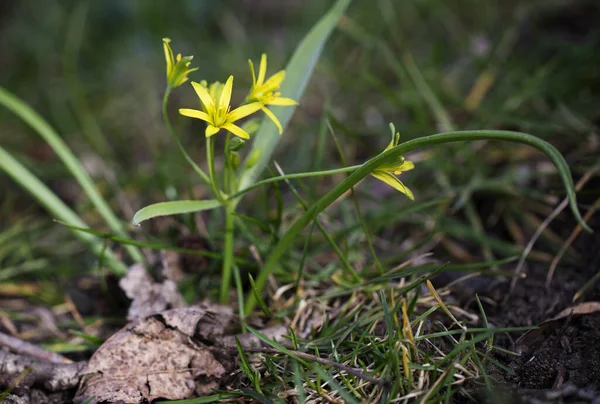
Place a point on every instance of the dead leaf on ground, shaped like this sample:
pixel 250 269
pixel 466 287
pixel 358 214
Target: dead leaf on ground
pixel 531 336
pixel 579 310
pixel 148 297
pixel 159 356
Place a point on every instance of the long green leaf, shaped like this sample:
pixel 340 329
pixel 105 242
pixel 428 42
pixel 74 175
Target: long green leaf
pixel 173 208
pixel 57 207
pixel 154 246
pixel 298 72
pixel 38 124
pixel 288 239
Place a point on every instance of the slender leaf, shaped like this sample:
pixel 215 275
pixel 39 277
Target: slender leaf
pixel 155 246
pixel 38 124
pixel 173 208
pixel 56 207
pixel 298 73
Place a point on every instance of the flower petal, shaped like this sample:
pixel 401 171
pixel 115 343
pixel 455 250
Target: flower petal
pixel 396 165
pixel 205 97
pixel 215 90
pixel 236 130
pixel 262 70
pixel 168 56
pixel 274 82
pixel 406 166
pixel 393 182
pixel 281 101
pixel 251 65
pixel 389 146
pixel 273 118
pixel 211 130
pixel 225 98
pixel 394 142
pixel 243 111
pixel 194 113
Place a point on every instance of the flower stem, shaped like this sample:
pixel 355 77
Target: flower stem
pixel 227 171
pixel 198 170
pixel 227 254
pixel 210 161
pixel 295 175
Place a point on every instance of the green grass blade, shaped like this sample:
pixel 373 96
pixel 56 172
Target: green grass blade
pixel 298 73
pixel 56 207
pixel 155 246
pixel 215 398
pixel 23 268
pixel 288 239
pixel 173 208
pixel 276 345
pixel 335 386
pixel 39 125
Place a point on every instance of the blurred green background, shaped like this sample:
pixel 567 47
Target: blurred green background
pixel 95 71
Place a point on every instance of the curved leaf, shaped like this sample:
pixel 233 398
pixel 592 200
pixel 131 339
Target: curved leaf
pixel 288 239
pixel 173 208
pixel 43 128
pixel 298 72
pixel 57 207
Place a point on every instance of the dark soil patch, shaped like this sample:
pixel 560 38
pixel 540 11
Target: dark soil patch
pixel 560 363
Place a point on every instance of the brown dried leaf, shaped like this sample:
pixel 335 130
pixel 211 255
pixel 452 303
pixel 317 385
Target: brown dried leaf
pixel 532 336
pixel 157 357
pixel 579 310
pixel 148 297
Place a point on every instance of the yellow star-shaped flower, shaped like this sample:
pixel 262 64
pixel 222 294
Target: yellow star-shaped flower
pixel 217 111
pixel 178 67
pixel 387 172
pixel 266 92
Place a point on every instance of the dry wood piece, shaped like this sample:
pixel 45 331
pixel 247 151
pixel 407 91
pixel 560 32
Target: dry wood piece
pixel 31 372
pixel 28 349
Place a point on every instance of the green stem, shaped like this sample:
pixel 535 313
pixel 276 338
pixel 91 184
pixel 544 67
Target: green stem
pixel 187 157
pixel 227 176
pixel 296 175
pixel 210 157
pixel 288 239
pixel 227 253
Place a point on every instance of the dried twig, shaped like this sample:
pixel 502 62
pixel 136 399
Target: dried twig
pixel 27 348
pixel 53 376
pixel 303 355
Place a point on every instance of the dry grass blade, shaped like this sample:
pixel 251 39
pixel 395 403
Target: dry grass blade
pixel 439 300
pixel 586 177
pixel 576 231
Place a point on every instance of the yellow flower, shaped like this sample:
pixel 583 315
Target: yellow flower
pixel 387 172
pixel 216 109
pixel 178 67
pixel 266 92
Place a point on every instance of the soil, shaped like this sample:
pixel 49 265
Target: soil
pixel 560 362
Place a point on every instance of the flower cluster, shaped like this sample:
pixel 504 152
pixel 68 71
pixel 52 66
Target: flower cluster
pixel 387 172
pixel 216 109
pixel 216 99
pixel 178 67
pixel 266 92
